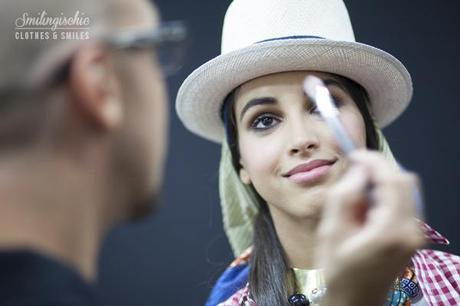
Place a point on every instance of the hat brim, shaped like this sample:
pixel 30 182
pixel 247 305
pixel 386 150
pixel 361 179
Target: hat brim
pixel 201 95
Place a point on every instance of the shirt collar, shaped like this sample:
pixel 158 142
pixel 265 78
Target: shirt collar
pixel 432 235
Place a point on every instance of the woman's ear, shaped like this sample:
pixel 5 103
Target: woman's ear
pixel 244 176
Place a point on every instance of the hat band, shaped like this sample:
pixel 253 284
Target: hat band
pixel 291 37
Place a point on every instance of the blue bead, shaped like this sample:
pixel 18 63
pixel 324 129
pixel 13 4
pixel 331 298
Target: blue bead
pixel 298 300
pixel 409 287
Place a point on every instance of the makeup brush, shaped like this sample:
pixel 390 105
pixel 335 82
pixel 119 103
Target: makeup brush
pixel 319 94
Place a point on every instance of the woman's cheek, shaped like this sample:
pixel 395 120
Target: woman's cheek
pixel 354 125
pixel 260 156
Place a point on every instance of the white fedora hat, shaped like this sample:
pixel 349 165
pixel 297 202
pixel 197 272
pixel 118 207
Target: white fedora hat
pixel 262 37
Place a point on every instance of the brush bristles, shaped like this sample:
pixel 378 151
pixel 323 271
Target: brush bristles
pixel 319 94
pixel 310 85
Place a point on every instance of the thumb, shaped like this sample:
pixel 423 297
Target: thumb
pixel 344 203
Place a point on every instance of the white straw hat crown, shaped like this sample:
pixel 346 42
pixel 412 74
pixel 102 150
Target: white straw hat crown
pixel 278 19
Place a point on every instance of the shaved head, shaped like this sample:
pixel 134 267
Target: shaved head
pixel 26 61
pixel 31 54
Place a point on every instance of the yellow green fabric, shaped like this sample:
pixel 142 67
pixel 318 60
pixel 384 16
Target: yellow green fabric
pixel 239 203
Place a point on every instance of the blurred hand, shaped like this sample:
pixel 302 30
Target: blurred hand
pixel 364 246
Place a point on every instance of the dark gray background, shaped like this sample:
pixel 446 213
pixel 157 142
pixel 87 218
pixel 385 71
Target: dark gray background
pixel 174 257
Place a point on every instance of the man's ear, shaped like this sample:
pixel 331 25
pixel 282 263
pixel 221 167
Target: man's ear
pixel 92 84
pixel 244 175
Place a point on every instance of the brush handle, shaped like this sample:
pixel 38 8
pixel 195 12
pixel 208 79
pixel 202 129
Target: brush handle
pixel 416 193
pixel 341 135
pixel 418 196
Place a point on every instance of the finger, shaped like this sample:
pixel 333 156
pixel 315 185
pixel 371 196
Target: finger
pixel 338 222
pixel 391 186
pixel 399 193
pixel 379 167
pixel 347 196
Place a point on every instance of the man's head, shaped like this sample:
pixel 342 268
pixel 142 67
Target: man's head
pixel 84 103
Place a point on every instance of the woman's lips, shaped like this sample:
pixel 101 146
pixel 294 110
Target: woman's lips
pixel 310 172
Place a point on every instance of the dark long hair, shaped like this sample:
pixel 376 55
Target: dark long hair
pixel 271 278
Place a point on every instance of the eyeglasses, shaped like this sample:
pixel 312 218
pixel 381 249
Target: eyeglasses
pixel 167 41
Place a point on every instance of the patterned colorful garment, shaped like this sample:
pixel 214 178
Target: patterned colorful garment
pixel 405 289
pixel 435 275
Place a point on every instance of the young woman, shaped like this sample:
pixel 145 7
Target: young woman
pixel 283 176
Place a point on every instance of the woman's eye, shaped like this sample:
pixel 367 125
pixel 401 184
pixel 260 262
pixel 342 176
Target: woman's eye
pixel 264 122
pixel 314 107
pixel 337 101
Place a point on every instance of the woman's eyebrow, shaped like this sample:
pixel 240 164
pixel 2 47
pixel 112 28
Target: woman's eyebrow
pixel 329 82
pixel 257 101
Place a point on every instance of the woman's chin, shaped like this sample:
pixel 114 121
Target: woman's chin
pixel 309 204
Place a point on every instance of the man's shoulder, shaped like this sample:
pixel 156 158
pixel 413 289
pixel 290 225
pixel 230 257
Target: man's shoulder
pixel 30 278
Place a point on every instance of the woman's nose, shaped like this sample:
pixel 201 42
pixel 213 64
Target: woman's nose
pixel 304 141
pixel 304 147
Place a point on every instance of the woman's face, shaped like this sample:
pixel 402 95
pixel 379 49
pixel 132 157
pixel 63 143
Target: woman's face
pixel 287 151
